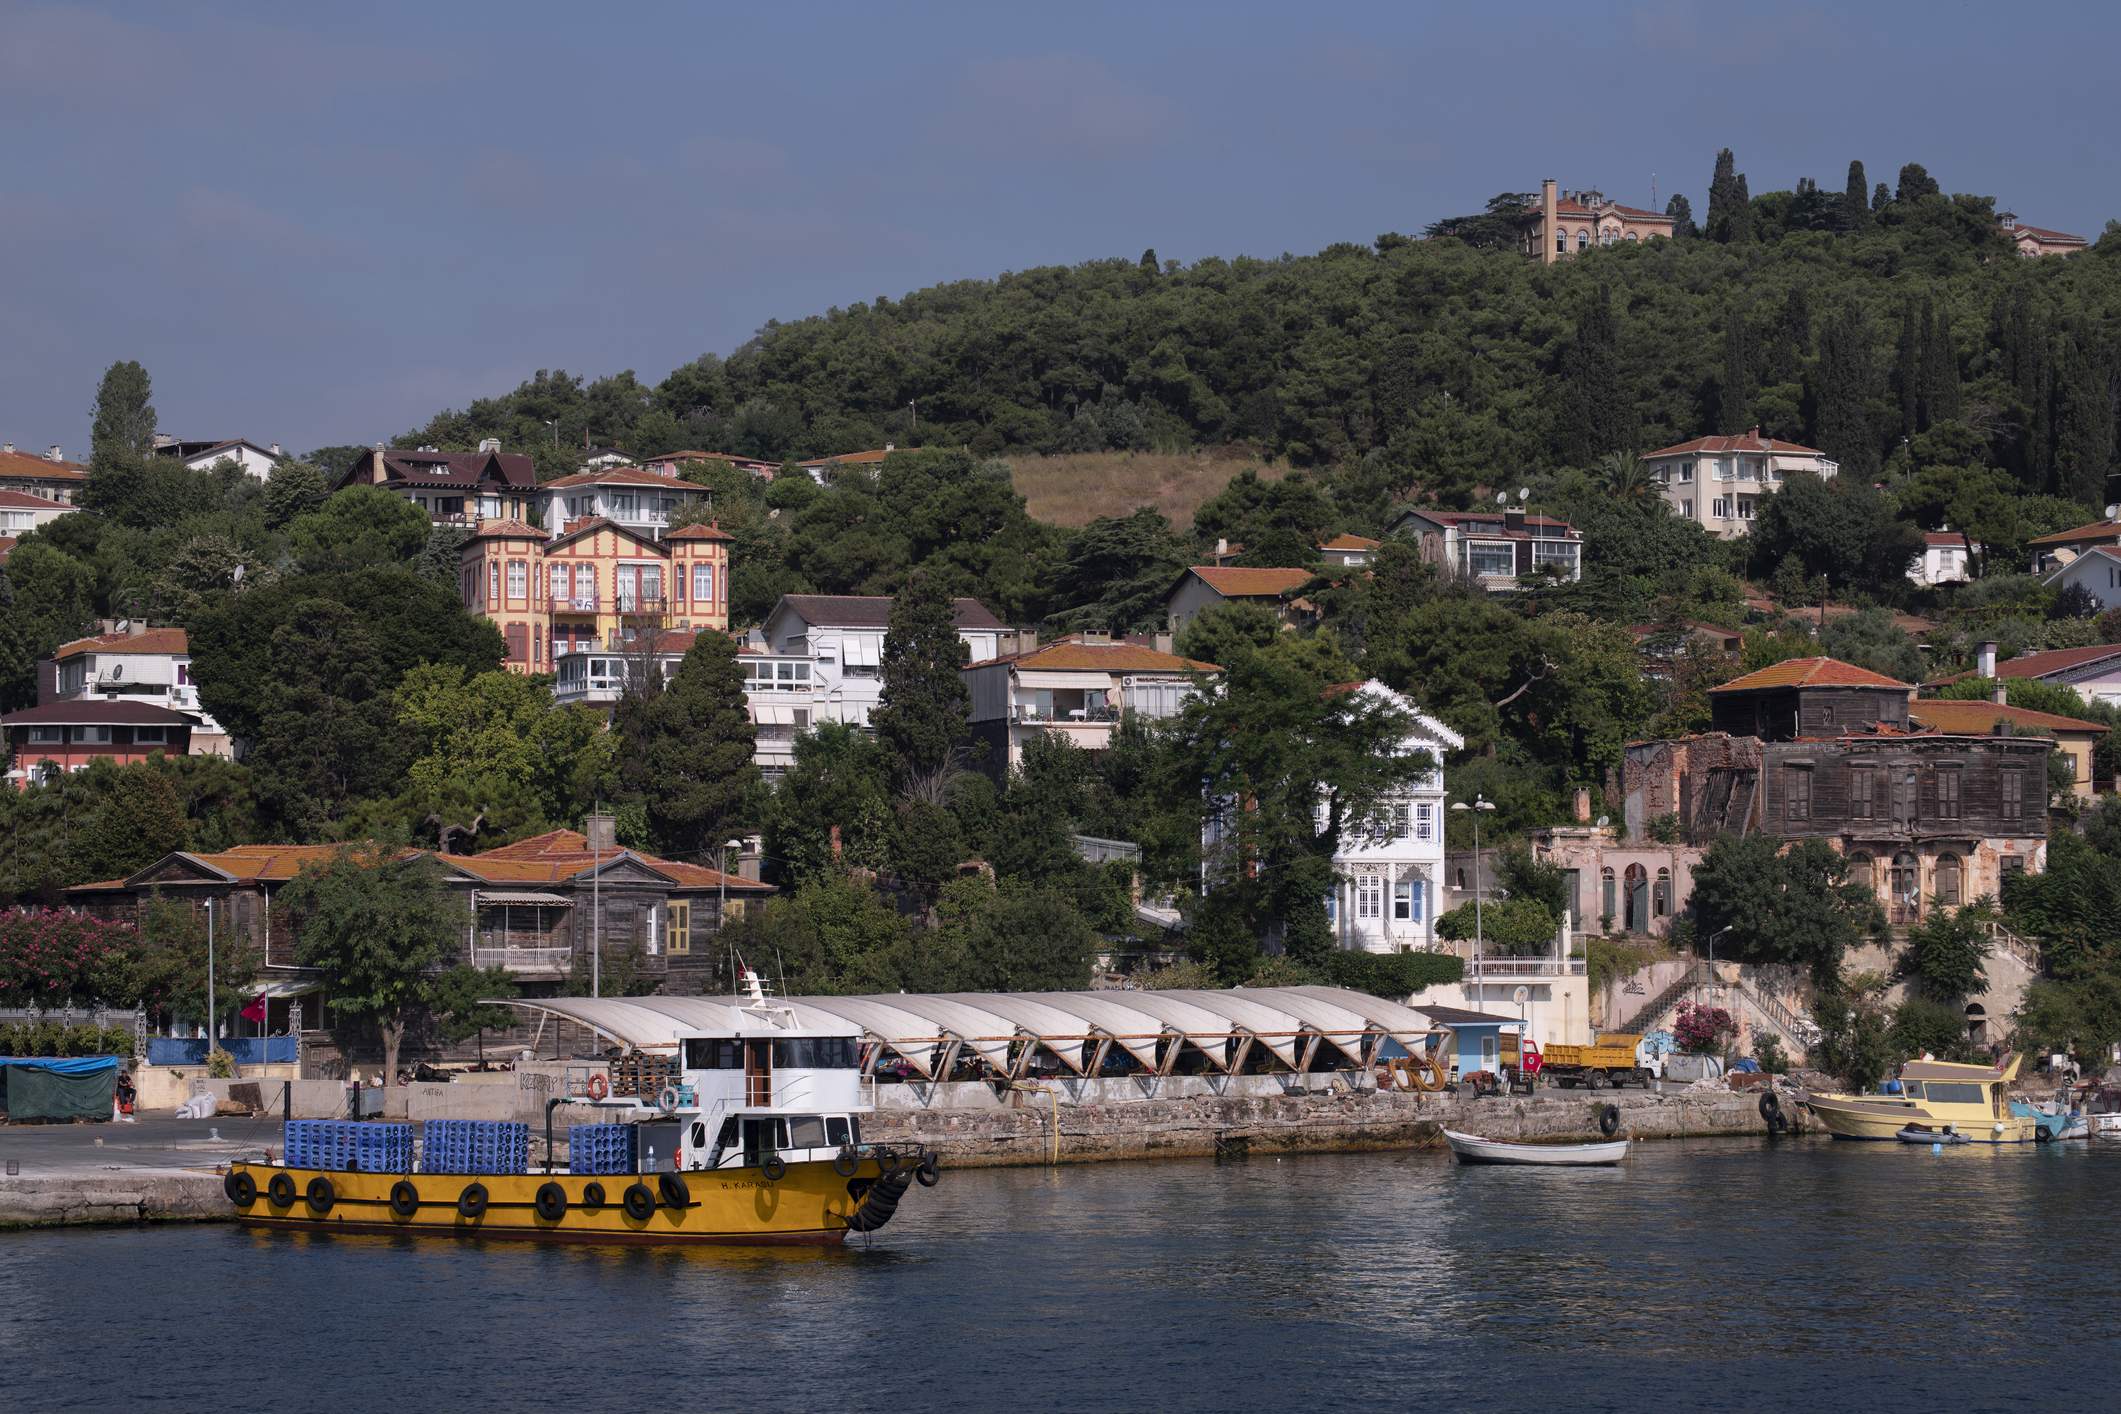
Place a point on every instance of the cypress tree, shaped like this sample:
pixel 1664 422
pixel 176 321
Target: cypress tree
pixel 121 442
pixel 687 751
pixel 1880 199
pixel 1730 208
pixel 1907 370
pixel 1846 380
pixel 1855 211
pixel 1738 386
pixel 1940 370
pixel 1792 347
pixel 924 712
pixel 2023 341
pixel 1682 213
pixel 1596 416
pixel 2084 425
pixel 1916 183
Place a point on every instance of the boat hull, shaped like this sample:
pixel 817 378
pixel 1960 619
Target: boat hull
pixel 1883 1119
pixel 1472 1149
pixel 810 1205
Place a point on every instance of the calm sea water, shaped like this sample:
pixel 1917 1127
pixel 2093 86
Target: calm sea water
pixel 1706 1274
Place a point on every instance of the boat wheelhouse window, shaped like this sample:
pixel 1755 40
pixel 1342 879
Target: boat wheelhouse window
pixel 836 1132
pixel 817 1053
pixel 806 1132
pixel 758 1139
pixel 699 1134
pixel 1945 1092
pixel 714 1053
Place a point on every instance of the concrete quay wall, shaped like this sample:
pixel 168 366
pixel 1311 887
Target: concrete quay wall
pixel 117 1196
pixel 1344 1122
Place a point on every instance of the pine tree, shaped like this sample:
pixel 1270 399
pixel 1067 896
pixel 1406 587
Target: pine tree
pixel 1682 213
pixel 1916 183
pixel 1738 386
pixel 1597 417
pixel 121 440
pixel 1940 370
pixel 1730 208
pixel 1855 210
pixel 1907 370
pixel 922 718
pixel 1881 197
pixel 686 751
pixel 1845 382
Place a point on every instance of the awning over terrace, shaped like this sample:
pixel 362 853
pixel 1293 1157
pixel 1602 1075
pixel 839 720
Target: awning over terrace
pixel 1007 1030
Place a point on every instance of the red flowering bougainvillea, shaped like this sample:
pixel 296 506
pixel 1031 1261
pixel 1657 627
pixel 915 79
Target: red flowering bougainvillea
pixel 50 957
pixel 1703 1030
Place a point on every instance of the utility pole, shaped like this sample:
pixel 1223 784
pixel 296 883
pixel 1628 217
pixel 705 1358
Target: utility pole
pixel 213 1031
pixel 1480 803
pixel 596 899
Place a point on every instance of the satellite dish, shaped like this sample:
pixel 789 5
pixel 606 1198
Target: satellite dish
pixel 1521 995
pixel 2113 510
pixel 235 576
pixel 1604 820
pixel 125 626
pixel 117 672
pixel 1524 493
pixel 1502 498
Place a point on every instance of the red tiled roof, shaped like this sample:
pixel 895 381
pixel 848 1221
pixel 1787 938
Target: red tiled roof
pixel 2042 664
pixel 1946 537
pixel 1241 582
pixel 589 525
pixel 7 547
pixel 1073 655
pixel 416 468
pixel 505 530
pixel 711 531
pixel 858 458
pixel 558 855
pixel 1351 542
pixel 1810 672
pixel 2096 530
pixel 22 466
pixel 874 611
pixel 1570 207
pixel 1746 442
pixel 1976 718
pixel 153 640
pixel 1494 523
pixel 2042 233
pixel 623 476
pixel 23 501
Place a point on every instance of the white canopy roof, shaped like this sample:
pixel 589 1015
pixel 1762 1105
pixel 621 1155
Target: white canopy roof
pixel 993 1025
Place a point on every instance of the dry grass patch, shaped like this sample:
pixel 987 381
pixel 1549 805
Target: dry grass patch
pixel 1077 488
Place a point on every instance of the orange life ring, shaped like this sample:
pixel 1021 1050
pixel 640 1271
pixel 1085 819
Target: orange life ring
pixel 599 1087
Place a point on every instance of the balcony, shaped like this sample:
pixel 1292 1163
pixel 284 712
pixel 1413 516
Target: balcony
pixel 575 603
pixel 634 603
pixel 510 958
pixel 1031 714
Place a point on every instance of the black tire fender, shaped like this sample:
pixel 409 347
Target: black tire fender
pixel 676 1192
pixel 281 1190
pixel 1609 1121
pixel 846 1162
pixel 592 1197
pixel 404 1198
pixel 774 1167
pixel 551 1201
pixel 472 1201
pixel 320 1195
pixel 241 1188
pixel 1770 1106
pixel 638 1202
pixel 930 1172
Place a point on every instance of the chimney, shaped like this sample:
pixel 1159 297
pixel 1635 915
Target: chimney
pixel 890 446
pixel 1583 805
pixel 1985 660
pixel 1513 517
pixel 7 446
pixel 603 833
pixel 1550 212
pixel 53 454
pixel 747 863
pixel 2002 694
pixel 275 450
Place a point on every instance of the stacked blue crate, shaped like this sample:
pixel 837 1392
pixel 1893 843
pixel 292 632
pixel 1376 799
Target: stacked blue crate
pixel 600 1148
pixel 475 1146
pixel 341 1145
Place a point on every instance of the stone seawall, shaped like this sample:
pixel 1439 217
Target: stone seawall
pixel 119 1196
pixel 1205 1125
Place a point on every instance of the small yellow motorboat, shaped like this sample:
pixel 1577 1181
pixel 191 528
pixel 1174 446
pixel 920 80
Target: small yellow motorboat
pixel 1971 1103
pixel 757 1139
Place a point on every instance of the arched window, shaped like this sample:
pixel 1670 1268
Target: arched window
pixel 1561 243
pixel 1583 240
pixel 1905 905
pixel 1661 896
pixel 1638 899
pixel 1948 880
pixel 1606 912
pixel 1631 235
pixel 1860 872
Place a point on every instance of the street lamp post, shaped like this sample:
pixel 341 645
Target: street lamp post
pixel 721 907
pixel 213 1030
pixel 1478 804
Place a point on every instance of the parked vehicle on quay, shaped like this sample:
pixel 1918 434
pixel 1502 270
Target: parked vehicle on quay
pixel 1614 1059
pixel 754 1138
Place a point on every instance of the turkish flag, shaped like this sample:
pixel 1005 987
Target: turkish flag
pixel 256 1010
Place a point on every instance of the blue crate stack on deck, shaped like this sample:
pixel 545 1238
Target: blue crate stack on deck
pixel 343 1145
pixel 475 1146
pixel 600 1148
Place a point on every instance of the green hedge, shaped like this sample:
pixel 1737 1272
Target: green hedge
pixel 50 1038
pixel 1396 975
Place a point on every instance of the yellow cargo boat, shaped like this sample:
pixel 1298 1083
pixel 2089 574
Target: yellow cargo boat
pixel 1968 1103
pixel 758 1140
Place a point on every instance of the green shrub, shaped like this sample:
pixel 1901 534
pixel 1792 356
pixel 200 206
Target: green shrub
pixel 220 1064
pixel 1396 975
pixel 83 1040
pixel 1768 1054
pixel 47 1038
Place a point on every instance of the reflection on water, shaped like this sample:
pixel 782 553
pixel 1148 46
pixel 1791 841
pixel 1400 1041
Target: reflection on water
pixel 1704 1274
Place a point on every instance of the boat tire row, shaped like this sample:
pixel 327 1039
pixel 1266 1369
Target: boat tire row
pixel 320 1195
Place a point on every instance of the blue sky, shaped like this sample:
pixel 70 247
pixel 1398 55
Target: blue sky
pixel 320 224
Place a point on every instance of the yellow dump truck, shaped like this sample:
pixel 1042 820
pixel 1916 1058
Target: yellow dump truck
pixel 1613 1059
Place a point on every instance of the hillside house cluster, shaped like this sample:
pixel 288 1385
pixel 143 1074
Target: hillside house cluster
pixel 1719 483
pixel 120 696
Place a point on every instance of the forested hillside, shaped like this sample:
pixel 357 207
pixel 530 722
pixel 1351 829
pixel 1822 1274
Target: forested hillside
pixel 1900 334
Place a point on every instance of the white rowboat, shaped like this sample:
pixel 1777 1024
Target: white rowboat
pixel 1472 1149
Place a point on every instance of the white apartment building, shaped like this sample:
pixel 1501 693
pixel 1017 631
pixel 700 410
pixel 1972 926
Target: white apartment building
pixel 644 502
pixel 133 663
pixel 1078 688
pixel 248 457
pixel 1947 558
pixel 1720 482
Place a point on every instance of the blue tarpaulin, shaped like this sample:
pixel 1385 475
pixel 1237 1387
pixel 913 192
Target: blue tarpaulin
pixel 64 1065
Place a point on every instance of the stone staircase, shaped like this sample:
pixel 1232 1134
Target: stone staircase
pixel 1796 1030
pixel 1646 1016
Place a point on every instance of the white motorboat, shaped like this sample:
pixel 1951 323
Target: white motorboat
pixel 1472 1149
